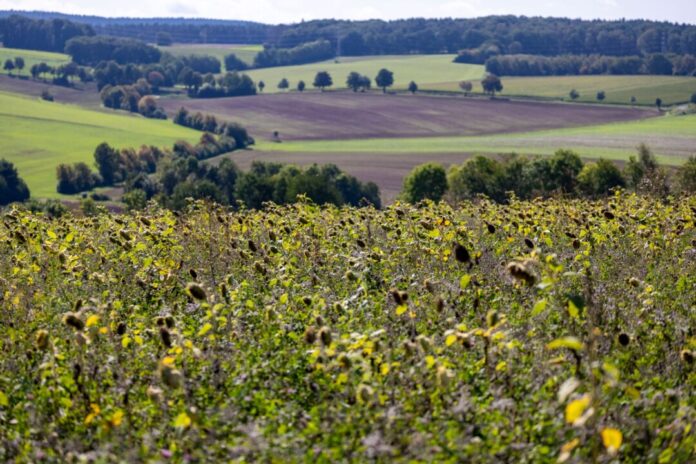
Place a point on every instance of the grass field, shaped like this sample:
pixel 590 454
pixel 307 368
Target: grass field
pixel 426 70
pixel 31 57
pixel 618 89
pixel 37 136
pixel 672 138
pixel 245 53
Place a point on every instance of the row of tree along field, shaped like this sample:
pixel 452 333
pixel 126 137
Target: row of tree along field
pixel 170 177
pixel 561 174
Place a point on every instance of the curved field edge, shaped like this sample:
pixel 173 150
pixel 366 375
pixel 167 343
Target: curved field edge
pixel 37 136
pixel 673 138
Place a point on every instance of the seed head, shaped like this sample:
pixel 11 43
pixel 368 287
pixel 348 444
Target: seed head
pixel 73 320
pixel 325 336
pixel 461 254
pixel 196 291
pixel 310 335
pixel 624 339
pixel 687 357
pixel 365 393
pixel 521 273
pixel 41 340
pixel 166 337
pixel 121 328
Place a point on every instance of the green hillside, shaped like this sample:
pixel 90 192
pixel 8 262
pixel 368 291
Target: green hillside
pixel 425 70
pixel 37 136
pixel 31 57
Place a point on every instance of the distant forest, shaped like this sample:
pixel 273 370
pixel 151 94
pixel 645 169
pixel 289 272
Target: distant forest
pixel 503 34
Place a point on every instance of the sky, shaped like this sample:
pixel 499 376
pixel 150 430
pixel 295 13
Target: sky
pixel 288 11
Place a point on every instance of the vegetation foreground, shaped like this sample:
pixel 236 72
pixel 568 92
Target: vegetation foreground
pixel 543 331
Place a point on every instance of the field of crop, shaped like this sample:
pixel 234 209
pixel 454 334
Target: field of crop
pixel 358 116
pixel 37 136
pixel 532 332
pixel 672 137
pixel 246 53
pixel 426 70
pixel 618 89
pixel 31 57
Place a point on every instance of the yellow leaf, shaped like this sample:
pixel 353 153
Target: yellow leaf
pixel 450 340
pixel 464 281
pixel 182 421
pixel 3 399
pixel 435 233
pixel 429 361
pixel 283 298
pixel 572 343
pixel 117 418
pixel 576 409
pixel 384 369
pixel 571 445
pixel 168 361
pixel 205 329
pixel 612 439
pixel 401 309
pixel 125 341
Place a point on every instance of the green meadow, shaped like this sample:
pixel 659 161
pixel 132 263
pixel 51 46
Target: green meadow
pixel 31 57
pixel 425 70
pixel 38 136
pixel 618 89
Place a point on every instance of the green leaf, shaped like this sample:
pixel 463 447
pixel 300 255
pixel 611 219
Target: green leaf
pixel 572 343
pixel 3 399
pixel 539 307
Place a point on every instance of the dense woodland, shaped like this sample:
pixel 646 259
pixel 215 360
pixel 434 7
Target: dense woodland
pixel 508 34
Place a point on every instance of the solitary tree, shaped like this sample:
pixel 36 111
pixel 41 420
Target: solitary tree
pixel 693 98
pixel 19 64
pixel 354 81
pixel 35 71
pixel 633 100
pixel 466 87
pixel 601 95
pixel 301 86
pixel 283 84
pixel 413 87
pixel 658 103
pixel 491 84
pixel 384 79
pixel 9 66
pixel 262 85
pixel 574 95
pixel 323 80
pixel 427 181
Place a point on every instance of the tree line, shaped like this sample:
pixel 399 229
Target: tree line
pixel 564 173
pixel 537 65
pixel 309 52
pixel 43 34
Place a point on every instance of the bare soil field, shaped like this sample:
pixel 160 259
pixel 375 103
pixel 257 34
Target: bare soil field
pixel 348 115
pixel 85 95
